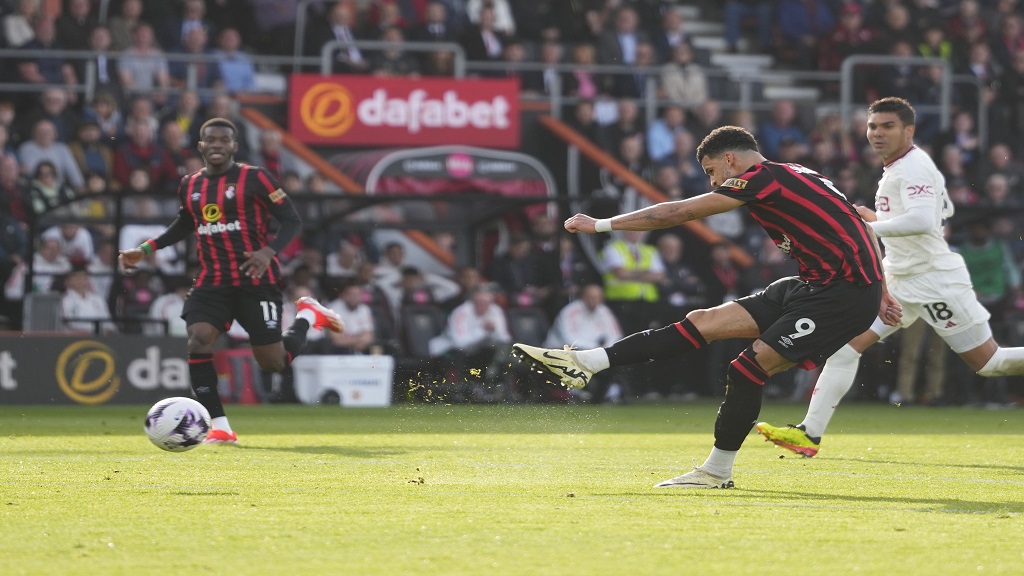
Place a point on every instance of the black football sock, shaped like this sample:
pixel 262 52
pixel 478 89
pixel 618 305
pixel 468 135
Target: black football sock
pixel 204 383
pixel 668 342
pixel 295 339
pixel 743 393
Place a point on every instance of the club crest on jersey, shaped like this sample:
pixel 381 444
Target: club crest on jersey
pixel 212 213
pixel 277 196
pixel 230 192
pixel 786 245
pixel 735 183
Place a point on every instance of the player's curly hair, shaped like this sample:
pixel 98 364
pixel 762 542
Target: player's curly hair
pixel 222 122
pixel 726 139
pixel 903 109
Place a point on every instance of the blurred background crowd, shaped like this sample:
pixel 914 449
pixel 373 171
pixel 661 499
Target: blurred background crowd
pixel 106 138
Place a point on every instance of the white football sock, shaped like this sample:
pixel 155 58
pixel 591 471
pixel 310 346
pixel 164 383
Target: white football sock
pixel 594 360
pixel 720 462
pixel 221 423
pixel 834 382
pixel 1005 362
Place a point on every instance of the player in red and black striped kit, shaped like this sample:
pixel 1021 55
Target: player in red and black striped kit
pixel 796 321
pixel 228 207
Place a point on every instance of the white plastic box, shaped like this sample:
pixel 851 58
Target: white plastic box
pixel 356 380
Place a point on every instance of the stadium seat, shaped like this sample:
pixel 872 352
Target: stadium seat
pixel 528 325
pixel 43 312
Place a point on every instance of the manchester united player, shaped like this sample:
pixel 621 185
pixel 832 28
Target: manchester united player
pixel 228 207
pixel 797 321
pixel 929 279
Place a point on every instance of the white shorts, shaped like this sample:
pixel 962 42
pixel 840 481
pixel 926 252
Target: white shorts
pixel 945 299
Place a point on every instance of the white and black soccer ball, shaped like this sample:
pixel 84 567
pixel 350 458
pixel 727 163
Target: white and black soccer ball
pixel 177 424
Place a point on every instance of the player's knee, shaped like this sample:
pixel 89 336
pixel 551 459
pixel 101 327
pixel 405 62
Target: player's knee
pixel 200 343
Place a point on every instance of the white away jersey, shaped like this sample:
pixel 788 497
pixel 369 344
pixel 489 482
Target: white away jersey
pixel 908 181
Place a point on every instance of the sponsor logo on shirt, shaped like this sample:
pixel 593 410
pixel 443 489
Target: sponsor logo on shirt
pixel 735 183
pixel 218 228
pixel 277 196
pixel 212 213
pixel 882 204
pixel 920 190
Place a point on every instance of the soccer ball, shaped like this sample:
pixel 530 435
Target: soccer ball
pixel 177 424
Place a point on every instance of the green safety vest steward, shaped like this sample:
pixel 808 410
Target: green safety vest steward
pixel 631 290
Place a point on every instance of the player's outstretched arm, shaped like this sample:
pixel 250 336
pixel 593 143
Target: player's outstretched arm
pixel 663 215
pixel 129 259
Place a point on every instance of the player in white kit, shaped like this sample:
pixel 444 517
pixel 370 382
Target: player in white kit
pixel 923 274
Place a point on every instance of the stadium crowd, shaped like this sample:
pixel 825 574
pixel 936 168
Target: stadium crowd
pixel 136 137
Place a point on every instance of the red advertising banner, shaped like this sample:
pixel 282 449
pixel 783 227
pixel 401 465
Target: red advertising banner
pixel 371 111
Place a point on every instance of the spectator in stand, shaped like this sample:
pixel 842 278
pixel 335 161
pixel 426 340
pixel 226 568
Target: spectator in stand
pixel 123 25
pixel 802 24
pixel 102 267
pixel 344 263
pixel 104 74
pixel 504 22
pixel 175 31
pixel 237 14
pixel 6 147
pixel 54 107
pixel 619 45
pixel 14 190
pixel 830 129
pixel 173 157
pixel 140 152
pixel 705 117
pixel 236 68
pixel 631 154
pixel 82 308
pixel 144 69
pixel 14 248
pixel 394 61
pixel 44 147
pixel 1002 162
pixel 341 26
pixel 47 264
pixel 104 111
pixel 439 64
pixel 632 270
pixel 522 274
pixel 90 153
pixel 637 83
pixel 408 13
pixel 75 24
pixel 967 26
pixel 587 323
pixel 17 25
pixel 166 309
pixel 476 338
pixel 75 242
pixel 1010 40
pixel 964 136
pixel 456 17
pixel 46 69
pixel 683 81
pixel 670 35
pixel 381 17
pixel 48 190
pixel 360 329
pixel 482 41
pixel 895 28
pixel 186 115
pixel 692 177
pixel 435 27
pixel 666 178
pixel 661 135
pixel 581 82
pixel 627 123
pixel 998 195
pixel 783 126
pixel 760 11
pixel 269 155
pixel 469 279
pixel 514 55
pixel 934 43
pixel 204 73
pixel 549 79
pixel 140 111
pixel 980 65
pixel 849 38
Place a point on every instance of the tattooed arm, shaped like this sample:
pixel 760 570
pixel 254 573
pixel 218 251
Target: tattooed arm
pixel 664 215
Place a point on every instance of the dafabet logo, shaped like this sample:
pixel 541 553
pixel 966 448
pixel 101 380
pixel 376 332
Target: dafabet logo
pixel 326 109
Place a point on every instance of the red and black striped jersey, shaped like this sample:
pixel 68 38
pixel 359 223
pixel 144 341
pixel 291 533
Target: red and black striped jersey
pixel 809 219
pixel 230 215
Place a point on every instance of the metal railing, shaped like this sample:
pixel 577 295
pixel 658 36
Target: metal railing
pixel 459 64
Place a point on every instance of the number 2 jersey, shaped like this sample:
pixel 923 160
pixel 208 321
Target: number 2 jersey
pixel 230 215
pixel 910 181
pixel 809 220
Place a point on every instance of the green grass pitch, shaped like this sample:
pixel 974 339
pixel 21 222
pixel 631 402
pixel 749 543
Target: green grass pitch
pixel 509 490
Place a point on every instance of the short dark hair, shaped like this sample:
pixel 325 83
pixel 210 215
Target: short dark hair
pixel 726 139
pixel 903 109
pixel 222 122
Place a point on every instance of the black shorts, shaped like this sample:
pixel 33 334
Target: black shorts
pixel 256 308
pixel 806 323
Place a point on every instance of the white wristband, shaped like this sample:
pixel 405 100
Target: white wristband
pixel 603 225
